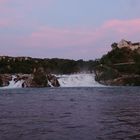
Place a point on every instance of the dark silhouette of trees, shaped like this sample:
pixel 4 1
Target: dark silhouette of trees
pixel 61 66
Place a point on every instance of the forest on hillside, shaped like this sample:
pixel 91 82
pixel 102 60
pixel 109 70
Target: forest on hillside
pixel 57 66
pixel 124 60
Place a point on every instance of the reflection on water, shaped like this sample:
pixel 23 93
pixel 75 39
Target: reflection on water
pixel 70 114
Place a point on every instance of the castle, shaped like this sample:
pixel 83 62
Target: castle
pixel 133 46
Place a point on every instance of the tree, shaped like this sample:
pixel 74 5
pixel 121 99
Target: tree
pixel 114 45
pixel 40 78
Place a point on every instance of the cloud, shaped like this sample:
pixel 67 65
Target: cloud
pixel 128 27
pixel 7 23
pixel 75 42
pixel 22 29
pixel 66 37
pixel 20 12
pixel 58 37
pixel 5 8
pixel 3 1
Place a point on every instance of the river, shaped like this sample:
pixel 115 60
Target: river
pixel 97 113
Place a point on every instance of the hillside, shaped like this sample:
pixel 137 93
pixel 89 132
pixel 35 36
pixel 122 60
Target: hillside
pixel 28 65
pixel 120 66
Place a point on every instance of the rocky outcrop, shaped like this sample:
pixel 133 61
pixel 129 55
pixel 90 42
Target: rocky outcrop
pixel 121 65
pixel 126 80
pixel 29 80
pixel 109 76
pixel 105 73
pixel 4 79
pixel 53 80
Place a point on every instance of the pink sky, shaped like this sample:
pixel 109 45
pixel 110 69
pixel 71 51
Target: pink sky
pixel 25 31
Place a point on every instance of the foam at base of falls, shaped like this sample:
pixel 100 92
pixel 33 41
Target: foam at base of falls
pixel 73 80
pixel 14 84
pixel 78 80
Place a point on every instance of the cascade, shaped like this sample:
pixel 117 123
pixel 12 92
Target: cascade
pixel 78 80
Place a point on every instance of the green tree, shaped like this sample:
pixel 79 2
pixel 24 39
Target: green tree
pixel 40 78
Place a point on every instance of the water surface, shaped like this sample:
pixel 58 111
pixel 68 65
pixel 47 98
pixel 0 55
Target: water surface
pixel 103 113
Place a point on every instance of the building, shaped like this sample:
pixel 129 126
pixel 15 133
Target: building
pixel 128 44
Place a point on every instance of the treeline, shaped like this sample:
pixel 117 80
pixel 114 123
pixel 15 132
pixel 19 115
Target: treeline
pixel 57 66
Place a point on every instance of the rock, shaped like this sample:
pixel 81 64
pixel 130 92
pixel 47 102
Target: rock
pixel 109 76
pixel 105 73
pixel 127 80
pixel 5 78
pixel 29 80
pixel 53 80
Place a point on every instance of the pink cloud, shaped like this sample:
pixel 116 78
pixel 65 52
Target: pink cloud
pixel 76 42
pixel 10 13
pixel 66 37
pixel 3 1
pixel 6 9
pixel 5 23
pixel 56 37
pixel 124 26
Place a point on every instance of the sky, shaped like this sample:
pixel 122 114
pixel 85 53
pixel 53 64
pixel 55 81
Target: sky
pixel 73 29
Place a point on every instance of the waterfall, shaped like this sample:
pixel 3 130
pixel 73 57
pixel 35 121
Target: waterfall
pixel 15 84
pixel 78 80
pixel 73 80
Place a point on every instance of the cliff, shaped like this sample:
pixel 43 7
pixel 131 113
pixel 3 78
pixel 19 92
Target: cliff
pixel 119 67
pixel 112 77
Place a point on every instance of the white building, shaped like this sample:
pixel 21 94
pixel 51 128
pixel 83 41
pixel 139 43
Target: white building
pixel 133 46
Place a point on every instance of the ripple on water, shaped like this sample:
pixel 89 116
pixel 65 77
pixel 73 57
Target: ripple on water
pixel 70 114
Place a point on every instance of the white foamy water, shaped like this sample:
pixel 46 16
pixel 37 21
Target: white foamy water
pixel 78 80
pixel 14 84
pixel 73 80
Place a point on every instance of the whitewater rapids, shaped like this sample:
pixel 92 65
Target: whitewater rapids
pixel 14 84
pixel 78 80
pixel 73 80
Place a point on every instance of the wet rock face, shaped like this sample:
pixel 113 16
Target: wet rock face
pixel 108 76
pixel 4 79
pixel 29 80
pixel 104 73
pixel 127 80
pixel 41 80
pixel 53 80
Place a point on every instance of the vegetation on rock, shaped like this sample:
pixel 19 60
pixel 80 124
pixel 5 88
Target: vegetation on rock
pixel 120 66
pixel 40 78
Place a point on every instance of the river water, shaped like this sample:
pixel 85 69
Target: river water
pixel 99 113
